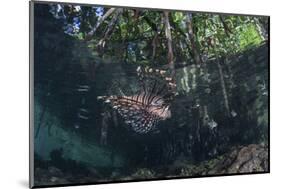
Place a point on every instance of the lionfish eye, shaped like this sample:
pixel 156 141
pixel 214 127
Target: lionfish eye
pixel 157 103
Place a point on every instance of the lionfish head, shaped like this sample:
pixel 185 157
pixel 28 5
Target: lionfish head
pixel 159 108
pixel 142 111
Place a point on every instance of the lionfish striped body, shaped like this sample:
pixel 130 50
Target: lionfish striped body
pixel 144 110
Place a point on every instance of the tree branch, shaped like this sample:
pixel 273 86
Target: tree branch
pixel 109 29
pixel 225 27
pixel 223 86
pixel 183 34
pixel 191 36
pixel 99 22
pixel 169 42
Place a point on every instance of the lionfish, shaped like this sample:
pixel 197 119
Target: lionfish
pixel 142 111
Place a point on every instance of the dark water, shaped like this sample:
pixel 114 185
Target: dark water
pixel 79 139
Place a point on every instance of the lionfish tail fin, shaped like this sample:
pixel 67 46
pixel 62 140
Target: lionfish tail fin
pixel 114 101
pixel 106 99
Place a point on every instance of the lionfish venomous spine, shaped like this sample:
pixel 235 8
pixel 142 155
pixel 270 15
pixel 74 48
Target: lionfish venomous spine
pixel 151 104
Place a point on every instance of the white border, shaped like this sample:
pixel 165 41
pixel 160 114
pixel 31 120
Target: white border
pixel 14 70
